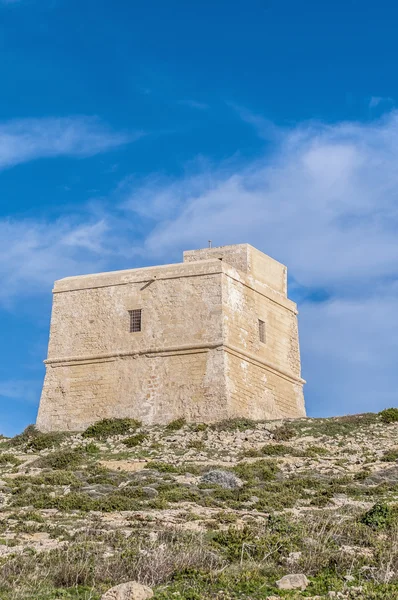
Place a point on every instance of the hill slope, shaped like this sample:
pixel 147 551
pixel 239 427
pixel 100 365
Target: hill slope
pixel 198 511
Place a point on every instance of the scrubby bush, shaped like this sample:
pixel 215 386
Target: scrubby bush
pixel 43 441
pixel 109 427
pixel 390 455
pixel 379 516
pixel 284 433
pixel 238 424
pixel 33 439
pixel 162 467
pixel 91 448
pixel 176 424
pixel 261 470
pixel 313 451
pixel 9 459
pixel 26 436
pixel 135 440
pixel 197 445
pixel 199 426
pixel 335 426
pixel 275 450
pixel 181 494
pixel 389 415
pixel 62 459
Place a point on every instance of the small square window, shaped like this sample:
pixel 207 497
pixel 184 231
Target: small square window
pixel 261 330
pixel 135 320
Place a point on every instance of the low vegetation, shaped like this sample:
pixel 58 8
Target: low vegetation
pixel 202 511
pixel 110 427
pixel 389 415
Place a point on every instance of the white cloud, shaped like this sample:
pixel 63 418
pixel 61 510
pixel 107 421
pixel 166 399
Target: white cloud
pixel 37 253
pixel 325 203
pixel 23 140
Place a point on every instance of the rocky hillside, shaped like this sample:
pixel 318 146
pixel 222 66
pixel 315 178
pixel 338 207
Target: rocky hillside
pixel 195 511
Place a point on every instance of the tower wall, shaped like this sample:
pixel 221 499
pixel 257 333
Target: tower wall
pixel 97 368
pixel 263 378
pixel 198 354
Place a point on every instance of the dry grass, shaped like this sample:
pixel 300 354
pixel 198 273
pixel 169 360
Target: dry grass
pixel 100 564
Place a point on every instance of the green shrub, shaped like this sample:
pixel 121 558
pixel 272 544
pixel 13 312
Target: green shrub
pixel 176 424
pixel 390 455
pixel 275 450
pixel 234 541
pixel 91 448
pixel 389 415
pixel 379 516
pixel 73 501
pixel 135 440
pixel 44 441
pixel 334 426
pixel 116 502
pixel 181 494
pixel 58 477
pixel 27 435
pixel 162 467
pixel 255 542
pixel 251 453
pixel 322 498
pixel 197 445
pixel 240 424
pixel 313 451
pixel 62 459
pixel 284 433
pixel 9 459
pixel 261 470
pixel 199 426
pixel 362 474
pixel 108 427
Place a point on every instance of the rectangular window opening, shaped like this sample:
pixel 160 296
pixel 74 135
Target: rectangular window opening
pixel 261 330
pixel 135 320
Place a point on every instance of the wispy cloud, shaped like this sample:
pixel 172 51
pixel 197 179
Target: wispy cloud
pixel 264 128
pixel 194 104
pixel 23 140
pixel 375 101
pixel 39 252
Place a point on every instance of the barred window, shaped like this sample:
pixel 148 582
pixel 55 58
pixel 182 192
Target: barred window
pixel 135 320
pixel 261 330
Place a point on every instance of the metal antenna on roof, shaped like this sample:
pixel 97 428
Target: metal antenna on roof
pixel 210 243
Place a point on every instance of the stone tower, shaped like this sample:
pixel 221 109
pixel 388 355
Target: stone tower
pixel 211 338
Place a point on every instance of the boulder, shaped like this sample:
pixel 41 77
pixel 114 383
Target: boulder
pixel 224 479
pixel 128 591
pixel 297 581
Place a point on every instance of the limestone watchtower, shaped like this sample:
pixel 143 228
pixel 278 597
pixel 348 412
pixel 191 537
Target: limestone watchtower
pixel 211 338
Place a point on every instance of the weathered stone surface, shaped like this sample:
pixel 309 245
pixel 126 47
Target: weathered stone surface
pixel 224 479
pixel 128 591
pixel 296 581
pixel 389 475
pixel 198 355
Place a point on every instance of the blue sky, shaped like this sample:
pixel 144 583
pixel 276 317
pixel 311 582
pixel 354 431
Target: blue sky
pixel 130 131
